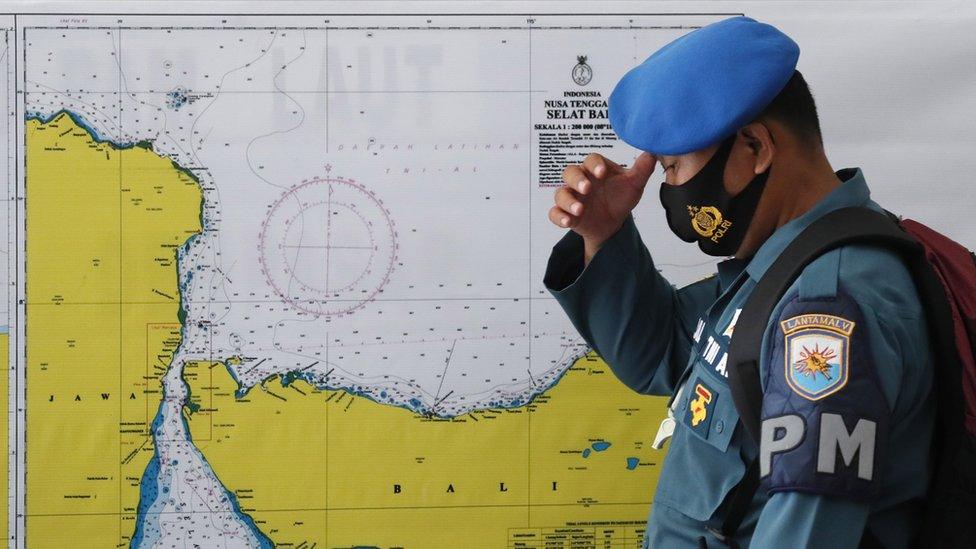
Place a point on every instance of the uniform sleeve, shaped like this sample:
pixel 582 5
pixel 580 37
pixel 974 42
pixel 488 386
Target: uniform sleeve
pixel 794 519
pixel 825 417
pixel 625 310
pixel 846 415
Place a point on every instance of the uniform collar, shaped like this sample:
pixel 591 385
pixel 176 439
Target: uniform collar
pixel 853 191
pixel 729 270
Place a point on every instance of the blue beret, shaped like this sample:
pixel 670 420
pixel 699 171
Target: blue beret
pixel 702 87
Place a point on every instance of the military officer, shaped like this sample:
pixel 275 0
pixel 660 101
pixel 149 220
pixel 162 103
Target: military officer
pixel 847 411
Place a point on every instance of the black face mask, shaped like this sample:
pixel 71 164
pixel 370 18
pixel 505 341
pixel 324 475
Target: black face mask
pixel 701 210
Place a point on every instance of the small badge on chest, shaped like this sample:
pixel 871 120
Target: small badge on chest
pixel 701 403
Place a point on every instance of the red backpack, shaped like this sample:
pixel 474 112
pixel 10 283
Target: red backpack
pixel 945 275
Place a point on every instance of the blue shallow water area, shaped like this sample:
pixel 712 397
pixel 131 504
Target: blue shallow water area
pixel 148 493
pixel 153 485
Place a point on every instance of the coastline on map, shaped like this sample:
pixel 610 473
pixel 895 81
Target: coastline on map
pixel 148 491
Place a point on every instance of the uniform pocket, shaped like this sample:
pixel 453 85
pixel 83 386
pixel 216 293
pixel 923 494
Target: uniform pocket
pixel 703 461
pixel 696 475
pixel 707 410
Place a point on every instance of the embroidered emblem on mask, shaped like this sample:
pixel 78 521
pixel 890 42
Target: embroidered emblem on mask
pixel 816 354
pixel 708 222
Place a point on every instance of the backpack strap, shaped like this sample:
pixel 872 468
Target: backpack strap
pixel 837 228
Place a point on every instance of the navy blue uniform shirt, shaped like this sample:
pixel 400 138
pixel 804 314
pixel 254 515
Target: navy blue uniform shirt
pixel 846 366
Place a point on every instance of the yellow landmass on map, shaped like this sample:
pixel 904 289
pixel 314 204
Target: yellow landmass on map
pixel 306 464
pixel 103 226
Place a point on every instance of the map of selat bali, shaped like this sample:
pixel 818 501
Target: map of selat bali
pixel 280 282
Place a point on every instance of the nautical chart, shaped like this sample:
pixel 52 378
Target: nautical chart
pixel 285 282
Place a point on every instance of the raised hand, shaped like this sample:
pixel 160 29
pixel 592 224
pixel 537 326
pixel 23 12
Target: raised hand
pixel 597 196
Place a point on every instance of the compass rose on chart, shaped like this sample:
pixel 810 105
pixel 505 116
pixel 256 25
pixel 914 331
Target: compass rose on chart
pixel 328 245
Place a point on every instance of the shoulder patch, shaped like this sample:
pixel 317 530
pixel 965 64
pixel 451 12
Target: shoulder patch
pixel 824 419
pixel 816 361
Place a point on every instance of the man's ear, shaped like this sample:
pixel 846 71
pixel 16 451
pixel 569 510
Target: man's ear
pixel 758 138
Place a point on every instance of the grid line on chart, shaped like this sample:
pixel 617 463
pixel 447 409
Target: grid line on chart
pixel 491 28
pixel 271 92
pixel 22 290
pixel 118 61
pixel 363 508
pixel 531 189
pixel 13 454
pixel 278 301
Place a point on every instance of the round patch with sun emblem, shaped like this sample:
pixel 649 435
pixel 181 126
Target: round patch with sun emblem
pixel 817 350
pixel 705 220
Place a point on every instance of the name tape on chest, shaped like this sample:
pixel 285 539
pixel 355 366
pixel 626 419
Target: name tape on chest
pixel 714 350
